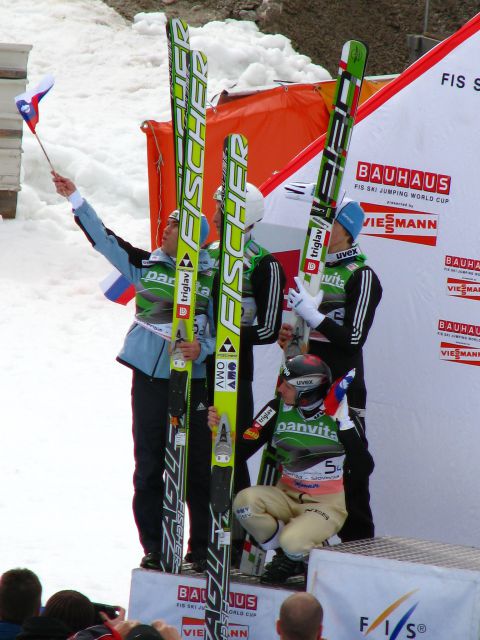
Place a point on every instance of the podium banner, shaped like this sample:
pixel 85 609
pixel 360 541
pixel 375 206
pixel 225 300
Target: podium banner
pixel 383 599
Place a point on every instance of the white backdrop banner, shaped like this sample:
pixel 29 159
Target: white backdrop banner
pixel 180 599
pixel 414 164
pixel 380 599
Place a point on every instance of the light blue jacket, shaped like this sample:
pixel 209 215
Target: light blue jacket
pixel 142 349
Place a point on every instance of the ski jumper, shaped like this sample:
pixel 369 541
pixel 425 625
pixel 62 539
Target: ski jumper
pixel 262 299
pixel 309 496
pixel 352 292
pixel 145 351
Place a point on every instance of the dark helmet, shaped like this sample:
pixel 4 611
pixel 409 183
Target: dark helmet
pixel 310 376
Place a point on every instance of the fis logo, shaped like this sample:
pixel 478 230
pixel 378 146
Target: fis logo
pixel 319 238
pixel 393 622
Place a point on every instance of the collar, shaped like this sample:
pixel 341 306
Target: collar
pixel 345 254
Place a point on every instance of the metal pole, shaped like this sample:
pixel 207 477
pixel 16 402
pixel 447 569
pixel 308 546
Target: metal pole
pixel 425 22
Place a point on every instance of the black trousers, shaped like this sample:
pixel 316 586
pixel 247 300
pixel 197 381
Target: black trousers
pixel 244 421
pixel 150 419
pixel 359 522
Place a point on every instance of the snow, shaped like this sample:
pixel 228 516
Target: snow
pixel 66 453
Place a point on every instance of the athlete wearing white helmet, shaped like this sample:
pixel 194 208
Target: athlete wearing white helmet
pixel 262 300
pixel 254 205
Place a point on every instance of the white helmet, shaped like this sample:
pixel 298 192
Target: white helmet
pixel 254 208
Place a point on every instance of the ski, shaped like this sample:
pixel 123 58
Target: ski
pixel 327 189
pixel 322 215
pixel 184 315
pixel 234 172
pixel 178 65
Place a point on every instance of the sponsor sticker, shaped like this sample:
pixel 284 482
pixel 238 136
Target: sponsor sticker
pixel 318 239
pixel 226 375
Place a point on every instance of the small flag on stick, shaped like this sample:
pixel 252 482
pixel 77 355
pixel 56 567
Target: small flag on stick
pixel 27 105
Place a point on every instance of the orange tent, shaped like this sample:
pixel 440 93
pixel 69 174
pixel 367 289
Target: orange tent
pixel 278 123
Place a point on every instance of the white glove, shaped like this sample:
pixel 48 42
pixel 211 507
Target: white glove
pixel 306 305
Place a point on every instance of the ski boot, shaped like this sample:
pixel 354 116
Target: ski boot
pixel 281 568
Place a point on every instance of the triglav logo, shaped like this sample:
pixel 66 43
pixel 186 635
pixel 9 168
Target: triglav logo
pixel 394 622
pixel 400 224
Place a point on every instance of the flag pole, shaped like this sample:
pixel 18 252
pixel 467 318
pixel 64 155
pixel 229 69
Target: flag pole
pixel 43 149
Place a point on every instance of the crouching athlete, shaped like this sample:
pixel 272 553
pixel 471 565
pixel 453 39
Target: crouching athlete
pixel 312 433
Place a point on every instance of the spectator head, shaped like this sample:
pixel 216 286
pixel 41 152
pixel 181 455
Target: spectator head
pixel 71 607
pixel 20 595
pixel 301 617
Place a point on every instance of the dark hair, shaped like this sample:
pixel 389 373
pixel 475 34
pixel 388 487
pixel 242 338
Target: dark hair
pixel 72 608
pixel 301 616
pixel 20 595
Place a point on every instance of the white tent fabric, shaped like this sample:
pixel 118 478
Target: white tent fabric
pixel 414 164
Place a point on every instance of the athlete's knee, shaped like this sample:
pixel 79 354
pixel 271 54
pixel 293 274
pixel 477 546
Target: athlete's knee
pixel 294 545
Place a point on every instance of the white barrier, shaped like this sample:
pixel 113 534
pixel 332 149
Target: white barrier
pixel 397 589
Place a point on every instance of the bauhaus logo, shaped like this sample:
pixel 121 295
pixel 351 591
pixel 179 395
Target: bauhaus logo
pixel 400 224
pixel 403 177
pixel 199 595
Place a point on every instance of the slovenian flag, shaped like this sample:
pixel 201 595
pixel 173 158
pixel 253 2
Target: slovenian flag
pixel 117 288
pixel 337 392
pixel 27 103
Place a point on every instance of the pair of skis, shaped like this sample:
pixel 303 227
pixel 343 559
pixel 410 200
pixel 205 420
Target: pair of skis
pixel 322 215
pixel 226 380
pixel 188 86
pixel 188 79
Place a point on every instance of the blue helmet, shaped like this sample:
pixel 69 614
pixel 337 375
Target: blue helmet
pixel 351 216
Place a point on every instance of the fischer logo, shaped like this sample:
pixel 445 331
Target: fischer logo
pixel 195 628
pixel 403 177
pixel 237 600
pixel 457 353
pixel 319 238
pixel 389 626
pixel 463 289
pixel 400 224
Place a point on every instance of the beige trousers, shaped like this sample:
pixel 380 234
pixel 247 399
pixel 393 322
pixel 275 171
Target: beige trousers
pixel 309 520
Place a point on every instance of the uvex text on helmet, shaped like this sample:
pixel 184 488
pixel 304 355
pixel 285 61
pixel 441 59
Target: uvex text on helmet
pixel 310 376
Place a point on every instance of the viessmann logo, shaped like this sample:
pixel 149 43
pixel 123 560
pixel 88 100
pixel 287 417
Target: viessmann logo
pixel 400 224
pixel 463 289
pixel 394 622
pixel 403 177
pixel 195 628
pixel 459 354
